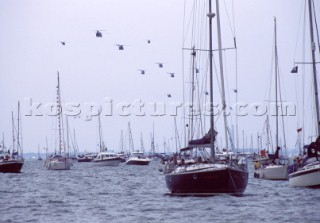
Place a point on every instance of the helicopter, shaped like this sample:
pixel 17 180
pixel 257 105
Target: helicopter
pixel 63 43
pixel 99 33
pixel 171 74
pixel 120 46
pixel 169 95
pixel 160 65
pixel 142 71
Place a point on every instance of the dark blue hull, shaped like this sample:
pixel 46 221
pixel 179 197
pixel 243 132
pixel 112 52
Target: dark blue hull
pixel 139 163
pixel 210 182
pixel 11 166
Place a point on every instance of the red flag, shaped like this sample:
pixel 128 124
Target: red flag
pixel 263 152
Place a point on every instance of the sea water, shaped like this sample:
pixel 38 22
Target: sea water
pixel 89 193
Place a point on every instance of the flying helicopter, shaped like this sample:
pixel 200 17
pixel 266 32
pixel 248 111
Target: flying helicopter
pixel 171 74
pixel 63 43
pixel 99 33
pixel 169 95
pixel 120 46
pixel 142 71
pixel 160 65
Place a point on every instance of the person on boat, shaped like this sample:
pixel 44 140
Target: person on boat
pixel 256 165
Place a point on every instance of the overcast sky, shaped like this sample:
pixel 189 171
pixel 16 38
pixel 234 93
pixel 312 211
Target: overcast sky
pixel 93 70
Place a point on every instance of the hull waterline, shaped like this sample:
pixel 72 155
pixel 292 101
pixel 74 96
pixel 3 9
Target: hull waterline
pixel 11 166
pixel 208 181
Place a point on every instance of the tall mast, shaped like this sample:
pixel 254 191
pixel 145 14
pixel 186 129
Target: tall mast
pixel 75 142
pixel 211 15
pixel 221 75
pixel 130 138
pixel 192 95
pixel 100 134
pixel 315 83
pixel 13 139
pixel 142 145
pixel 121 141
pixel 47 147
pixel 59 115
pixel 276 79
pixel 3 141
pixel 152 145
pixel 18 130
pixel 176 136
pixel 68 143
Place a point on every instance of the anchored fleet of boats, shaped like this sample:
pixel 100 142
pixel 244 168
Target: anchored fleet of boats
pixel 198 168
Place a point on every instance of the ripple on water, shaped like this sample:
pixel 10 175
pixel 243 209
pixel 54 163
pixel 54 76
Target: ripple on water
pixel 88 193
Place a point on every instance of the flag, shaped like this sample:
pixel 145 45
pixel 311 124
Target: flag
pixel 299 130
pixel 263 152
pixel 294 70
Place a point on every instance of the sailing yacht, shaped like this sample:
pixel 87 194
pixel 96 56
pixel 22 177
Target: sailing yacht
pixel 104 157
pixel 60 160
pixel 39 157
pixel 274 170
pixel 308 172
pixel 210 176
pixel 136 157
pixel 12 162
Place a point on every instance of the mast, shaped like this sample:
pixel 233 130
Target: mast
pixel 46 147
pixel 176 135
pixel 141 141
pixel 211 15
pixel 130 138
pixel 224 105
pixel 192 95
pixel 315 83
pixel 13 139
pixel 3 141
pixel 59 115
pixel 19 150
pixel 76 149
pixel 68 143
pixel 121 141
pixel 100 134
pixel 276 80
pixel 152 145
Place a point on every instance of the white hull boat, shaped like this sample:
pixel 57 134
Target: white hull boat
pixel 107 159
pixel 272 172
pixel 307 176
pixel 59 163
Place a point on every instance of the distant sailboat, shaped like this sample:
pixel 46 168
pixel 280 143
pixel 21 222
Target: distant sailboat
pixel 137 156
pixel 105 157
pixel 12 162
pixel 273 170
pixel 39 157
pixel 307 173
pixel 60 160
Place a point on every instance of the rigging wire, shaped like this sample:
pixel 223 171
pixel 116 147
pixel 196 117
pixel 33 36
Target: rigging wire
pixel 316 23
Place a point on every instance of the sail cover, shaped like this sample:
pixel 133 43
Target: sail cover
pixel 204 140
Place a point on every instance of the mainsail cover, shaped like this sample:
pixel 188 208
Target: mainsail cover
pixel 204 140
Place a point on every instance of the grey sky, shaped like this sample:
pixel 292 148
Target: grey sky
pixel 92 69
